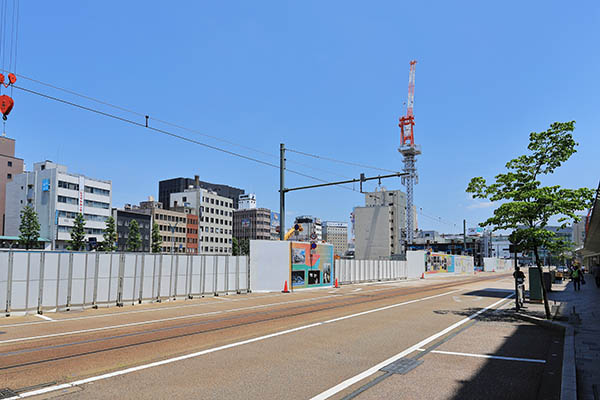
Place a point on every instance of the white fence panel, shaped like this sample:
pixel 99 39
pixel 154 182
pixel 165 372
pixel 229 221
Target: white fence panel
pixel 4 261
pixel 19 281
pixel 209 274
pixel 221 274
pixel 181 266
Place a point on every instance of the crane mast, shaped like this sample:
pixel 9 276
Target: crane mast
pixel 409 151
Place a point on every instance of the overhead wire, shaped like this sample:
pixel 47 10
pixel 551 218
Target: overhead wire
pixel 339 161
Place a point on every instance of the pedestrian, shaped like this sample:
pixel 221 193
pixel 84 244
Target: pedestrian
pixel 576 275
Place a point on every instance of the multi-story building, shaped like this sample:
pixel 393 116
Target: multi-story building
pixel 247 201
pixel 253 223
pixel 379 226
pixel 123 218
pixel 10 166
pixel 178 185
pixel 172 226
pixel 336 233
pixel 215 218
pixel 192 233
pixel 58 196
pixel 310 225
pixel 578 228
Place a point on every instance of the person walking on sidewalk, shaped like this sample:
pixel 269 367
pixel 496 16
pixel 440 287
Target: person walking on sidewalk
pixel 576 275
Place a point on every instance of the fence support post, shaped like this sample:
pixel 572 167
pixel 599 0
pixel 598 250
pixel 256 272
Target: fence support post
pixel 70 282
pixel 141 279
pixel 96 272
pixel 9 282
pixel 41 283
pixel 216 279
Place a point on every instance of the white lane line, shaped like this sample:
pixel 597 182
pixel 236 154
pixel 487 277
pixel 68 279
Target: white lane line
pixel 365 374
pixel 103 328
pixel 357 290
pixel 215 349
pixel 454 353
pixel 221 298
pixel 207 303
pixel 44 317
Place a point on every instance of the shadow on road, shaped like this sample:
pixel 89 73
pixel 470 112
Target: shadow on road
pixel 509 379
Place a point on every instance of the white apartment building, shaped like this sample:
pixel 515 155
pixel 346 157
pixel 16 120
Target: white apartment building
pixel 379 226
pixel 336 233
pixel 58 196
pixel 247 201
pixel 215 218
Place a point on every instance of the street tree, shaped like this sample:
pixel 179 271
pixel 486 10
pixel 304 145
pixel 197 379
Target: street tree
pixel 78 234
pixel 156 239
pixel 29 228
pixel 134 239
pixel 110 235
pixel 240 247
pixel 526 205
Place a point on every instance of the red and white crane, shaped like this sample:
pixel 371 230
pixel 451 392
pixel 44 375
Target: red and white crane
pixel 409 151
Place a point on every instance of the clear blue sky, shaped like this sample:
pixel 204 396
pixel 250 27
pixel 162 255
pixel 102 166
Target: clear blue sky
pixel 322 77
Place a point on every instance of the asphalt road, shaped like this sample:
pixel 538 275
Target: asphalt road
pixel 321 344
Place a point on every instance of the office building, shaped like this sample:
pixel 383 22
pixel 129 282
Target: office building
pixel 123 218
pixel 380 225
pixel 178 185
pixel 336 233
pixel 58 196
pixel 247 201
pixel 252 224
pixel 10 166
pixel 215 218
pixel 172 226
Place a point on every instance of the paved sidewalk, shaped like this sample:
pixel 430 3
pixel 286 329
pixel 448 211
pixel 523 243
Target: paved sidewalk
pixel 583 310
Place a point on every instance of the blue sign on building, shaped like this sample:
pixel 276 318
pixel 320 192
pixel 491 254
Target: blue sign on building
pixel 45 185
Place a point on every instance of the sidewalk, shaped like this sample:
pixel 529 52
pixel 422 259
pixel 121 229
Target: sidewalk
pixel 582 309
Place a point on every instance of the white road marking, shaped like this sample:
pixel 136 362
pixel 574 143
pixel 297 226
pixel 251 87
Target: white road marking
pixel 357 290
pixel 456 299
pixel 103 328
pixel 357 378
pixel 215 349
pixel 44 317
pixel 453 353
pixel 207 303
pixel 221 298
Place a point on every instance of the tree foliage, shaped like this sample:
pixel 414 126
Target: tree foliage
pixel 78 234
pixel 526 205
pixel 29 228
pixel 240 247
pixel 110 235
pixel 156 239
pixel 134 239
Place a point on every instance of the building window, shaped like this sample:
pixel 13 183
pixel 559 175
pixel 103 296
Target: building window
pixel 10 163
pixel 8 176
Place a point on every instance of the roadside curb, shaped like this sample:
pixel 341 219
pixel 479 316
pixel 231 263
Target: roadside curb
pixel 568 387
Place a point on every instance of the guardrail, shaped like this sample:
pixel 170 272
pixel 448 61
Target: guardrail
pixel 38 281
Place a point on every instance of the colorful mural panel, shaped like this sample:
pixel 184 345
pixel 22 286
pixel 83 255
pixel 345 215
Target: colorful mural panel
pixel 311 268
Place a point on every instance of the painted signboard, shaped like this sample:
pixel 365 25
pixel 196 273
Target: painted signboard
pixel 245 223
pixel 440 263
pixel 311 268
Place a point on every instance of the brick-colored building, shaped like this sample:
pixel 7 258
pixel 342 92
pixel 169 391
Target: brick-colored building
pixel 192 233
pixel 10 166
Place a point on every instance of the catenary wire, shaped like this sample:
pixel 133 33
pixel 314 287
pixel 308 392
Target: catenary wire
pixel 340 161
pixel 141 125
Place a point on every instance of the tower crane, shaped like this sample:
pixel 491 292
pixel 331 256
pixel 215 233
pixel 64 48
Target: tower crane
pixel 409 151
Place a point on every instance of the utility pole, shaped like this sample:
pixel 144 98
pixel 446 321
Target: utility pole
pixel 465 236
pixel 281 191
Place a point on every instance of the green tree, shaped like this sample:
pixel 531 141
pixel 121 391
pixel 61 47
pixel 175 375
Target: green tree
pixel 527 206
pixel 110 235
pixel 78 234
pixel 240 247
pixel 156 239
pixel 29 228
pixel 134 239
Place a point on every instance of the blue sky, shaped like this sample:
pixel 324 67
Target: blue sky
pixel 328 78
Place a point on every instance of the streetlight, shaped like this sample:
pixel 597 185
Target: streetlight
pixel 173 235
